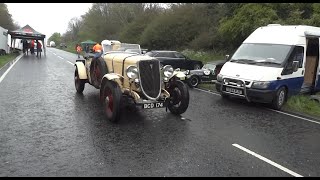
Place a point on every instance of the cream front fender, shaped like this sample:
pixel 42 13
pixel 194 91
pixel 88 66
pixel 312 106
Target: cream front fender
pixel 179 75
pixel 81 70
pixel 112 76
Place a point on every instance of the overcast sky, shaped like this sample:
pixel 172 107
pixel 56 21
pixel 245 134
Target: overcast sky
pixel 47 18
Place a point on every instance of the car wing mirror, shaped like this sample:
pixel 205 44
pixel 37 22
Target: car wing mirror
pixel 295 66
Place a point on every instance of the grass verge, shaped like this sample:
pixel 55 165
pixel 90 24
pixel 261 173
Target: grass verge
pixel 6 58
pixel 303 104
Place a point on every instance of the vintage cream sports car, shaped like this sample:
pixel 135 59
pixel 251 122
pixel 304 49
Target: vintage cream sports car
pixel 128 79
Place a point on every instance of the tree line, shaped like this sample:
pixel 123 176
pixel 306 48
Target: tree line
pixel 6 20
pixel 217 27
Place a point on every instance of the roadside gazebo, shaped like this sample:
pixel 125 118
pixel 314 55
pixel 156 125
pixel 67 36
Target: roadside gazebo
pixel 27 33
pixel 88 42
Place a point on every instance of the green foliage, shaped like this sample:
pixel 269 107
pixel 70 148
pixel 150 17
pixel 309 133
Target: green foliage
pixel 5 18
pixel 175 29
pixel 202 55
pixel 303 104
pixel 6 58
pixel 234 30
pixel 56 37
pixel 217 27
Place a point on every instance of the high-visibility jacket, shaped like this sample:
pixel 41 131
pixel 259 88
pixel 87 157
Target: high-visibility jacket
pixel 32 43
pixel 97 48
pixel 79 48
pixel 39 45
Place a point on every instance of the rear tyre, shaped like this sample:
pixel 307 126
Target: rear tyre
pixel 79 83
pixel 110 95
pixel 99 70
pixel 279 99
pixel 179 100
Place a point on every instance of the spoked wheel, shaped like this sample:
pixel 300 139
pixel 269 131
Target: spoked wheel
pixel 179 97
pixel 79 83
pixel 100 69
pixel 110 95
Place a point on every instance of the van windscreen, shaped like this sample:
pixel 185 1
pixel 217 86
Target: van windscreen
pixel 261 54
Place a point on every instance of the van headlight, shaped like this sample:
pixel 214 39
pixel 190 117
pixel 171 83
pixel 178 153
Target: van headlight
pixel 167 70
pixel 132 72
pixel 219 77
pixel 260 84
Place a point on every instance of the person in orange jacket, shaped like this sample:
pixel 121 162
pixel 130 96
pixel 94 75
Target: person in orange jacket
pixel 32 46
pixel 78 49
pixel 97 49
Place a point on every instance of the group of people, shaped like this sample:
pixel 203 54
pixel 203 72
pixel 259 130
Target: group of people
pixel 31 45
pixel 97 50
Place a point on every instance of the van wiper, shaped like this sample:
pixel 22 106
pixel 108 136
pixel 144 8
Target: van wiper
pixel 269 62
pixel 243 61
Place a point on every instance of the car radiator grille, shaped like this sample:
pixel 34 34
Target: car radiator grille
pixel 150 79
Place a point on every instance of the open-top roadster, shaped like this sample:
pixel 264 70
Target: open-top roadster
pixel 129 79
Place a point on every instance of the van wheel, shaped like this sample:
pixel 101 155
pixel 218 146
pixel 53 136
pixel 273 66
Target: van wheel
pixel 110 95
pixel 279 99
pixel 79 83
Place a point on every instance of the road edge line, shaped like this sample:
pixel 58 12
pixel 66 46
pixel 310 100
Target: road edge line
pixel 7 71
pixel 280 112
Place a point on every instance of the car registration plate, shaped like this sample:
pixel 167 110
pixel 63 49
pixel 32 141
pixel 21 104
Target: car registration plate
pixel 235 91
pixel 153 105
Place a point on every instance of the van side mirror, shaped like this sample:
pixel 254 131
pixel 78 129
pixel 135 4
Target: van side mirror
pixel 295 66
pixel 227 57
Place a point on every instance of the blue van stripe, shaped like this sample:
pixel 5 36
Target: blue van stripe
pixel 294 84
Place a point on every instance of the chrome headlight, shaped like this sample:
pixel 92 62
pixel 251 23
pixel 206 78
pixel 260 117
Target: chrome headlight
pixel 219 77
pixel 187 72
pixel 132 72
pixel 260 84
pixel 167 71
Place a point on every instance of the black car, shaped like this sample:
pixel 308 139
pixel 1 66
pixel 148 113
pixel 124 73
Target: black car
pixel 175 59
pixel 63 45
pixel 208 73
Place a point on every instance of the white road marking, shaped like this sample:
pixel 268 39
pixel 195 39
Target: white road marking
pixel 54 53
pixel 267 161
pixel 60 57
pixel 7 71
pixel 70 62
pixel 295 116
pixel 299 117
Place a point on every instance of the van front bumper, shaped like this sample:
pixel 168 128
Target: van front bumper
pixel 255 95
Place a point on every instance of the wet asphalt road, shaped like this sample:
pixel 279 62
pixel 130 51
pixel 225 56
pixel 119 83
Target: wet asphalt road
pixel 46 129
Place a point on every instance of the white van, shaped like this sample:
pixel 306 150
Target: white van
pixel 273 63
pixel 4 48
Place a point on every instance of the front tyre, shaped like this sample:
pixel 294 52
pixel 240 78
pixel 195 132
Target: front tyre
pixel 279 99
pixel 110 95
pixel 79 83
pixel 179 100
